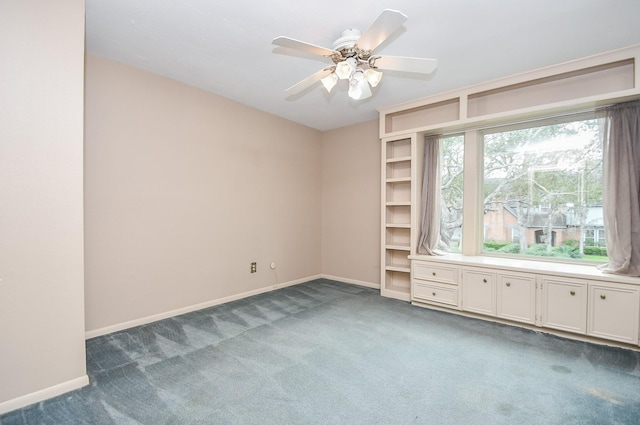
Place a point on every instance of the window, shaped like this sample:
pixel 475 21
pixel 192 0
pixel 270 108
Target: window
pixel 543 191
pixel 451 190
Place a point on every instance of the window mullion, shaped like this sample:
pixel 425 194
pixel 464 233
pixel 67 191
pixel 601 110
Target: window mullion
pixel 473 225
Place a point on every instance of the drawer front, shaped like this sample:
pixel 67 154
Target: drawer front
pixel 437 273
pixel 435 293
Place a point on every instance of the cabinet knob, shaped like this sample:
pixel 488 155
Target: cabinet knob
pixel 434 294
pixel 433 273
pixel 508 283
pixel 603 297
pixel 572 293
pixel 484 280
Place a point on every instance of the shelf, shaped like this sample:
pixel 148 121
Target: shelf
pixel 398 247
pixel 563 88
pixel 399 180
pixel 426 114
pixel 398 225
pixel 399 170
pixel 399 159
pixel 396 285
pixel 398 268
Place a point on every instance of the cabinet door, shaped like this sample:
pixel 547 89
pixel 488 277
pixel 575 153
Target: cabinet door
pixel 613 312
pixel 516 297
pixel 564 305
pixel 478 292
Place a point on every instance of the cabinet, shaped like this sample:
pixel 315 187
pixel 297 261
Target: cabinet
pixel 479 291
pixel 398 175
pixel 564 304
pixel 516 297
pixel 613 312
pixel 577 299
pixel 435 284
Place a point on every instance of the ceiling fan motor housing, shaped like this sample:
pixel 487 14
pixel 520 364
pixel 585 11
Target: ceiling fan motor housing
pixel 347 47
pixel 348 39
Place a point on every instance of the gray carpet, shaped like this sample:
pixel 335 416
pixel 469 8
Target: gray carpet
pixel 325 352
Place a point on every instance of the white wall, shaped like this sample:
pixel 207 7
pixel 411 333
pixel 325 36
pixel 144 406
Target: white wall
pixel 41 229
pixel 351 203
pixel 183 190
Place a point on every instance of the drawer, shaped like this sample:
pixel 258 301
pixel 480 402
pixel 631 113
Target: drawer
pixel 437 273
pixel 435 293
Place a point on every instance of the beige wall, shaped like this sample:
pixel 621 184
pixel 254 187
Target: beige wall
pixel 41 232
pixel 183 189
pixel 351 203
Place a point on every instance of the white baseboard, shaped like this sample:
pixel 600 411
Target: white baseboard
pixel 351 281
pixel 44 394
pixel 154 318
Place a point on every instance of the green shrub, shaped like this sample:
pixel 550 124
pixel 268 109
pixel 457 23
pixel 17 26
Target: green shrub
pixel 493 246
pixel 566 252
pixel 571 242
pixel 512 248
pixel 539 250
pixel 593 250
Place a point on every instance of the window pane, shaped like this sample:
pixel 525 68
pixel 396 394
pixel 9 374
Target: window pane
pixel 543 191
pixel 451 169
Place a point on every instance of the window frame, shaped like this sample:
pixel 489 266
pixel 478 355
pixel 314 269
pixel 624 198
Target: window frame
pixel 473 203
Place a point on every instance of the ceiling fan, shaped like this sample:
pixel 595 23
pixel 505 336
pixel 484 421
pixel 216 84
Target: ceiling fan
pixel 354 60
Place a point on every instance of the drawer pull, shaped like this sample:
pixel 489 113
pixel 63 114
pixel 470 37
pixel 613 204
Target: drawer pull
pixel 508 283
pixel 433 273
pixel 484 280
pixel 572 293
pixel 434 294
pixel 603 297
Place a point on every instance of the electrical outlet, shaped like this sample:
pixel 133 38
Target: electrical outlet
pixel 254 267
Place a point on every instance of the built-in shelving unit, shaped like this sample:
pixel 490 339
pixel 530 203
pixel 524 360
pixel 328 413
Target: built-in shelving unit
pixel 538 295
pixel 584 83
pixel 398 174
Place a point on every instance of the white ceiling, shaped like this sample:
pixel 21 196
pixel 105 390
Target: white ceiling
pixel 224 46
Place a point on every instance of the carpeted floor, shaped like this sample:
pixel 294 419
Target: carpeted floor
pixel 325 352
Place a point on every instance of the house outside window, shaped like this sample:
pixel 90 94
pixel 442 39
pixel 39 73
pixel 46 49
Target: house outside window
pixel 543 190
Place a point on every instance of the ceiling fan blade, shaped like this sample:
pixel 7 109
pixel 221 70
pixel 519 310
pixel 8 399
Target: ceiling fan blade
pixel 305 47
pixel 387 23
pixel 309 81
pixel 406 64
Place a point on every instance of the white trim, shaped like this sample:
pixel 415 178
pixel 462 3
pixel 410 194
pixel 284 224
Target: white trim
pixel 351 281
pixel 172 313
pixel 44 394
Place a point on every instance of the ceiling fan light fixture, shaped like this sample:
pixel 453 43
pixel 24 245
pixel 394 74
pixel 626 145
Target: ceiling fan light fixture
pixel 329 81
pixel 359 87
pixel 345 68
pixel 373 76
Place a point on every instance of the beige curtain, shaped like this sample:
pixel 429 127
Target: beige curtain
pixel 621 186
pixel 430 218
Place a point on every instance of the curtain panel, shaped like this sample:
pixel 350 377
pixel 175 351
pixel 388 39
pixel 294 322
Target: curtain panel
pixel 430 217
pixel 621 187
